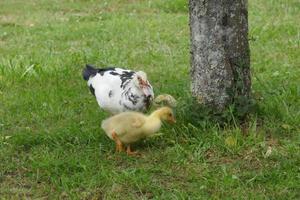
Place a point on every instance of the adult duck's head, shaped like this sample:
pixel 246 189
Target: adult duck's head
pixel 141 82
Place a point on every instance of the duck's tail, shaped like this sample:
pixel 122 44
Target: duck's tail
pixel 89 71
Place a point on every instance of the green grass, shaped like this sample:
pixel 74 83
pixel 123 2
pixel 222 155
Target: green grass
pixel 51 143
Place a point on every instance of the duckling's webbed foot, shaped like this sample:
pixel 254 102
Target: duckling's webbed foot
pixel 119 145
pixel 131 153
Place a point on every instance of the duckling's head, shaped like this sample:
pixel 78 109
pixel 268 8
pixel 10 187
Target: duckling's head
pixel 165 99
pixel 166 114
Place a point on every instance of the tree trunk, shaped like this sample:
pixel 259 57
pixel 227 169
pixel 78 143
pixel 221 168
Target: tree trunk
pixel 220 55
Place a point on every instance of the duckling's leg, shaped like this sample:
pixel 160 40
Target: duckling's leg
pixel 129 152
pixel 119 145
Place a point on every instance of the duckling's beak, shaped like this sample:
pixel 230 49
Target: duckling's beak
pixel 172 120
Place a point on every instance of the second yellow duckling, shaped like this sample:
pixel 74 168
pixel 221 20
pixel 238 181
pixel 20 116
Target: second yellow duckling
pixel 165 99
pixel 129 127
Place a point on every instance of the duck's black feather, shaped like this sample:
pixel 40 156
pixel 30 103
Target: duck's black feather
pixel 92 90
pixel 90 70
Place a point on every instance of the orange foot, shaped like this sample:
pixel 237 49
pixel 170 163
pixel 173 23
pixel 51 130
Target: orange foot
pixel 131 153
pixel 119 145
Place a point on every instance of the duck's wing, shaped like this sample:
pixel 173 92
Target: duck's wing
pixel 110 76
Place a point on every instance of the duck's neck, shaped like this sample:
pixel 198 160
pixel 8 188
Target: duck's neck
pixel 133 89
pixel 153 123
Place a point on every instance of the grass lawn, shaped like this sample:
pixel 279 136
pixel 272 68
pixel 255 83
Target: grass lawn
pixel 51 143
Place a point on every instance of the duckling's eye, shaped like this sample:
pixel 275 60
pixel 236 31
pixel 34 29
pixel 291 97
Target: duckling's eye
pixel 170 114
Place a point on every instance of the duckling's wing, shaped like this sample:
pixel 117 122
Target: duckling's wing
pixel 138 122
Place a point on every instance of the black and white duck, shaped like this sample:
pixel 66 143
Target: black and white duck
pixel 118 90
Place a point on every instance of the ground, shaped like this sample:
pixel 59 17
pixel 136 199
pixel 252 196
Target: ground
pixel 51 142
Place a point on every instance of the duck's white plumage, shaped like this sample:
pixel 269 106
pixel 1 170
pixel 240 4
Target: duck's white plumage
pixel 119 90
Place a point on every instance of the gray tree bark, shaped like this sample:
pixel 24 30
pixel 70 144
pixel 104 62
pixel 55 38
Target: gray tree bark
pixel 220 55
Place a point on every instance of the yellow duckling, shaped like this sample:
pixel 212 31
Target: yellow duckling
pixel 129 127
pixel 165 99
